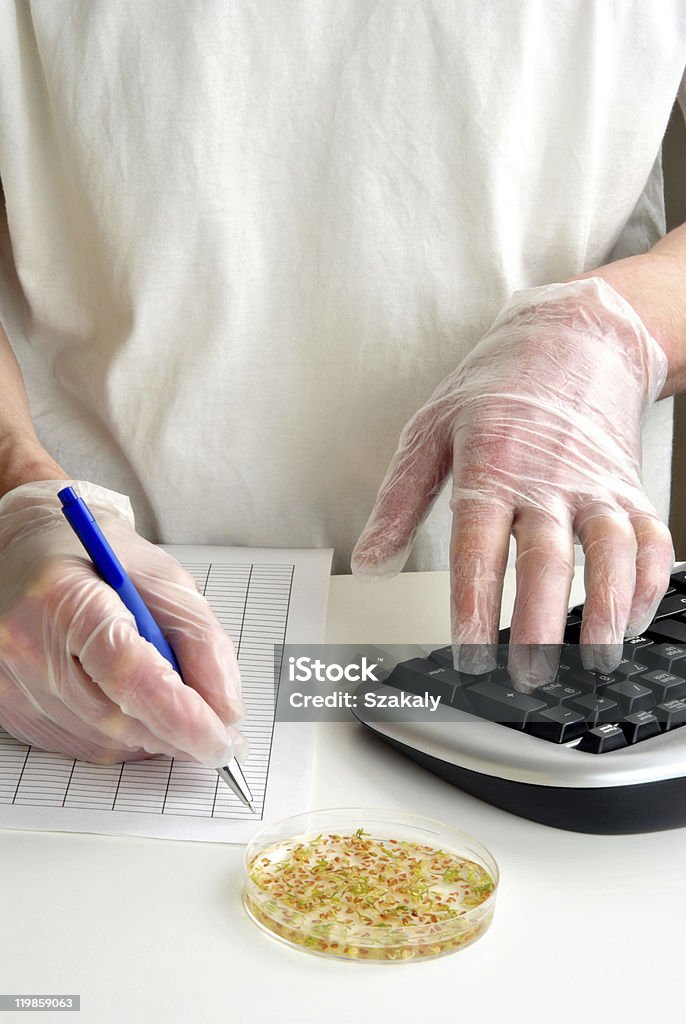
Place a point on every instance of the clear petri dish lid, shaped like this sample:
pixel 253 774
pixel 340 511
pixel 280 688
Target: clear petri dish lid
pixel 369 884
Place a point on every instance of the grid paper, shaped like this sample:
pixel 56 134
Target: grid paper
pixel 172 798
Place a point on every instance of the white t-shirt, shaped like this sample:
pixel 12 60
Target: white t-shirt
pixel 245 240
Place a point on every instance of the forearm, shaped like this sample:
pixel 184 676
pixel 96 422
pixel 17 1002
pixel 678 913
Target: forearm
pixel 22 457
pixel 654 283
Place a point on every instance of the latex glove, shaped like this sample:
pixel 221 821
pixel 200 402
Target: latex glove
pixel 75 676
pixel 541 426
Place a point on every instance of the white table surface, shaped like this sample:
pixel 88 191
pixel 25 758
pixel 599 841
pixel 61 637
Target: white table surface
pixel 587 928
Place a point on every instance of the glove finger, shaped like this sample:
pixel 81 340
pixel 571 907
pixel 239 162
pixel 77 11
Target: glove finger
pixel 41 732
pixel 609 544
pixel 135 676
pixel 83 701
pixel 202 646
pixel 412 484
pixel 479 545
pixel 544 570
pixel 654 561
pixel 48 722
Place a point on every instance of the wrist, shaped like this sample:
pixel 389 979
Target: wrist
pixel 654 284
pixel 23 462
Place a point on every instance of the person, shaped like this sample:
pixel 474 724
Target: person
pixel 243 243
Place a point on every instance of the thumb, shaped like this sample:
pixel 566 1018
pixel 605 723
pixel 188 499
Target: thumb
pixel 411 486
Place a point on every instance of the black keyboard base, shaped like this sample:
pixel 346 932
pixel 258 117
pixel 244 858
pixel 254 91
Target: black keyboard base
pixel 614 810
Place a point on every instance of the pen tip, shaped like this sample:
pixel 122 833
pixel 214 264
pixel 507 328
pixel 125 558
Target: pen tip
pixel 252 807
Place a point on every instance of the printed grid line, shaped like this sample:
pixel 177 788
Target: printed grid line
pixel 252 602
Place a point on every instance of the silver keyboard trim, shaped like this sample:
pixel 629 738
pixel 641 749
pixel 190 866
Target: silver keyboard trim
pixel 498 751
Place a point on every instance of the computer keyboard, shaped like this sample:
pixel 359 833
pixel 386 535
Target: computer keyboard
pixel 586 751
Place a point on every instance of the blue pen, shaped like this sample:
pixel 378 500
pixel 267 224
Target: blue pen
pixel 108 566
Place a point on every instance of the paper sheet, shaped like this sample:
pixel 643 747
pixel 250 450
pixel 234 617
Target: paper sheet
pixel 262 598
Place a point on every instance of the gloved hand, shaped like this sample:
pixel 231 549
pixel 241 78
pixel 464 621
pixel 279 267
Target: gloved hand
pixel 541 426
pixel 75 676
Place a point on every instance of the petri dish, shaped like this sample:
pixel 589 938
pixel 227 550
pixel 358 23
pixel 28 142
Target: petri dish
pixel 372 885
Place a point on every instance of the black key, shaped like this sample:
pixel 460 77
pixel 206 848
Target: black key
pixel 557 693
pixel 603 682
pixel 596 709
pixel 587 681
pixel 678 580
pixel 637 647
pixel 558 724
pixel 672 713
pixel 628 668
pixel 500 704
pixel 594 682
pixel 630 695
pixel 664 685
pixel 668 631
pixel 671 604
pixel 564 670
pixel 499 676
pixel 602 739
pixel 420 675
pixel 443 657
pixel 640 726
pixel 664 655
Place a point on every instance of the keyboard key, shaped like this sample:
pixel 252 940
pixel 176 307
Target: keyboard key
pixel 664 655
pixel 443 657
pixel 420 675
pixel 678 580
pixel 671 713
pixel 668 630
pixel 500 704
pixel 603 682
pixel 597 709
pixel 628 668
pixel 602 739
pixel 664 685
pixel 557 693
pixel 564 670
pixel 630 695
pixel 672 604
pixel 637 647
pixel 557 724
pixel 500 676
pixel 586 681
pixel 640 726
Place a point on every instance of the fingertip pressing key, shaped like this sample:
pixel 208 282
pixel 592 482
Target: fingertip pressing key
pixel 532 665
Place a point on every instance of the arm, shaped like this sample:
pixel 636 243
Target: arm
pixel 22 457
pixel 654 283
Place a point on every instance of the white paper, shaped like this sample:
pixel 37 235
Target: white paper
pixel 263 598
